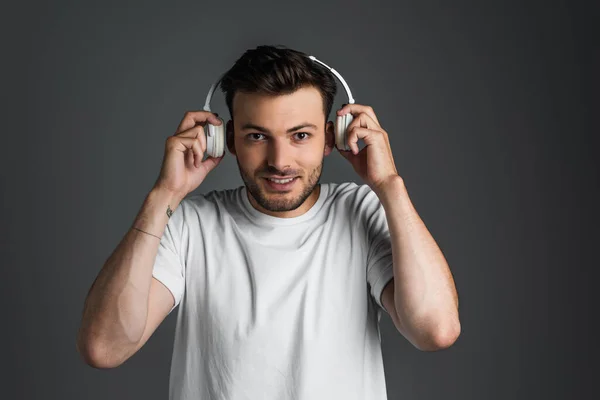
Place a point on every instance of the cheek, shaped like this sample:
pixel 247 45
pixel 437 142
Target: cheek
pixel 308 158
pixel 250 160
pixel 313 158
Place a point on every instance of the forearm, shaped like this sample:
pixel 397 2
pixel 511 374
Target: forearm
pixel 425 297
pixel 116 308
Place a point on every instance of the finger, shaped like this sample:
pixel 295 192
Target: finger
pixel 212 162
pixel 356 109
pixel 193 118
pixel 348 155
pixel 185 144
pixel 189 158
pixel 197 132
pixel 364 120
pixel 352 158
pixel 356 133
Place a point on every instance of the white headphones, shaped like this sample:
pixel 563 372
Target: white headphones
pixel 215 134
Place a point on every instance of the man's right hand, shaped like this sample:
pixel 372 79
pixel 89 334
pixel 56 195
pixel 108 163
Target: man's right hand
pixel 183 170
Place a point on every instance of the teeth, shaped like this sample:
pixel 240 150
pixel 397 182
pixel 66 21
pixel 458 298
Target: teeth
pixel 281 181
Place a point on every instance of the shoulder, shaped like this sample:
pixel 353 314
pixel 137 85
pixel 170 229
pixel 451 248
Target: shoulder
pixel 211 202
pixel 353 195
pixel 358 202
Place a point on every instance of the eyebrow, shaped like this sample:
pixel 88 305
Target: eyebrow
pixel 265 130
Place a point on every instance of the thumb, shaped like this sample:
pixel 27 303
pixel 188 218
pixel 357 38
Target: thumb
pixel 211 162
pixel 352 158
pixel 348 155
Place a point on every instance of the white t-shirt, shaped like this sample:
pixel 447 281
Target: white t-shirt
pixel 277 308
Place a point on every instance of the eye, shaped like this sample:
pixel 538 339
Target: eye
pixel 305 135
pixel 255 136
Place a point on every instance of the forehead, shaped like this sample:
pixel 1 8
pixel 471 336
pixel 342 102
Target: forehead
pixel 280 111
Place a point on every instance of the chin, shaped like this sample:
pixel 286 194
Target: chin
pixel 283 201
pixel 275 201
pixel 286 200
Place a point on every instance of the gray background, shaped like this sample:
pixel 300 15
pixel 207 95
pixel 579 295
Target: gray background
pixel 490 107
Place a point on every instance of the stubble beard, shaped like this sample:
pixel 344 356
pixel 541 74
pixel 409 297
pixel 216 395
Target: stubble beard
pixel 278 203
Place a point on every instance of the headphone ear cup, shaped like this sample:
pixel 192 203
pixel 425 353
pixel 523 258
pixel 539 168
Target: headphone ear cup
pixel 341 127
pixel 215 139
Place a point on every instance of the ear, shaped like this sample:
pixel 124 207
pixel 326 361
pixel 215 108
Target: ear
pixel 229 137
pixel 329 138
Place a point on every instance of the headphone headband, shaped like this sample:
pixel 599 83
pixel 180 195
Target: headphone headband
pixel 350 98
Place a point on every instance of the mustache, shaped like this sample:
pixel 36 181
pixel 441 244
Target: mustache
pixel 271 171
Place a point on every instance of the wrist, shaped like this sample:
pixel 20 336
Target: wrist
pixel 165 198
pixel 391 189
pixel 156 211
pixel 391 184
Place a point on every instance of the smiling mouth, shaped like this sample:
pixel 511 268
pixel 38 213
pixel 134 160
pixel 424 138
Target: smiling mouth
pixel 281 181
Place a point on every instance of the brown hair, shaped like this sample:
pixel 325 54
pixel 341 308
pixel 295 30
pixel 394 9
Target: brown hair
pixel 277 70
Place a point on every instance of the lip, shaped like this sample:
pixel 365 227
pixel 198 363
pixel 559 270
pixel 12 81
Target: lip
pixel 280 186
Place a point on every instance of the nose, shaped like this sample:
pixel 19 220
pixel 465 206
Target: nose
pixel 279 155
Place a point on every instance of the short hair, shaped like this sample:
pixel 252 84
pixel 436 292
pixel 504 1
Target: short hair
pixel 277 70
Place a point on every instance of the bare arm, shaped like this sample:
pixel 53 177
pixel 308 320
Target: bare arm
pixel 125 304
pixel 422 298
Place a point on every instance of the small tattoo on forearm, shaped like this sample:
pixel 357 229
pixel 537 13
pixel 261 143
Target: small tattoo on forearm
pixel 169 211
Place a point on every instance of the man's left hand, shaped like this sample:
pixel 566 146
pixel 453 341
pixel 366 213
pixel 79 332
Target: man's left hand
pixel 375 162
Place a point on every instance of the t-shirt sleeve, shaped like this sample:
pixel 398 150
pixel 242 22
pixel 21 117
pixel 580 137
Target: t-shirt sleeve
pixel 169 265
pixel 379 256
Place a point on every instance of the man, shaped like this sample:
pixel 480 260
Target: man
pixel 281 282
